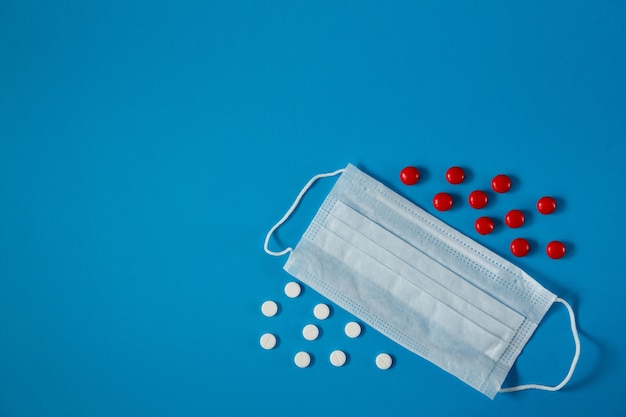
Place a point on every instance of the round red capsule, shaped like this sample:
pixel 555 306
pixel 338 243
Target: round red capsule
pixel 455 175
pixel 442 201
pixel 555 249
pixel 501 183
pixel 514 219
pixel 478 199
pixel 546 205
pixel 520 247
pixel 484 225
pixel 409 175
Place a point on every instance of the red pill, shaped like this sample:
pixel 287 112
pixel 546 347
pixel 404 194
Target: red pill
pixel 409 175
pixel 501 183
pixel 455 175
pixel 520 247
pixel 514 219
pixel 442 201
pixel 478 199
pixel 484 225
pixel 555 249
pixel 546 205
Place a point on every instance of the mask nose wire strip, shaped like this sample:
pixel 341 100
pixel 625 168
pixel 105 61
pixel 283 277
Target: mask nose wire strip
pixel 291 210
pixel 572 366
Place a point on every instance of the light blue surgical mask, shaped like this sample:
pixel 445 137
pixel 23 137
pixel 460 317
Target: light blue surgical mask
pixel 420 282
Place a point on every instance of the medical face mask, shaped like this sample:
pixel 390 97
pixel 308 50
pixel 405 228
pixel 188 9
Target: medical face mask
pixel 420 282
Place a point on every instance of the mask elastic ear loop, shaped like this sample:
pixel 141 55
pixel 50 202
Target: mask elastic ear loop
pixel 572 366
pixel 291 210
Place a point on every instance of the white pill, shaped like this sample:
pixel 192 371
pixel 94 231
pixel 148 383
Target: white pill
pixel 353 329
pixel 269 308
pixel 310 332
pixel 268 341
pixel 338 358
pixel 384 361
pixel 302 359
pixel 292 289
pixel 321 311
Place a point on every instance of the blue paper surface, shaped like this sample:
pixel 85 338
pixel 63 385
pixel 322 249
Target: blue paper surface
pixel 147 147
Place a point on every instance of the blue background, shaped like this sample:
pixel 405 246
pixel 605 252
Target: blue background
pixel 147 147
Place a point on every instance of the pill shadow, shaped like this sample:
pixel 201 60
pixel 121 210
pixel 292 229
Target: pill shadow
pixel 534 247
pixel 320 334
pixel 561 205
pixel 492 198
pixel 469 175
pixel 424 174
pixel 529 217
pixel 457 201
pixel 498 225
pixel 515 183
pixel 570 249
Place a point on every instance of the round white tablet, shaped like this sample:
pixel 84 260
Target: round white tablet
pixel 268 341
pixel 292 289
pixel 302 359
pixel 321 311
pixel 269 308
pixel 310 332
pixel 353 329
pixel 338 357
pixel 384 361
